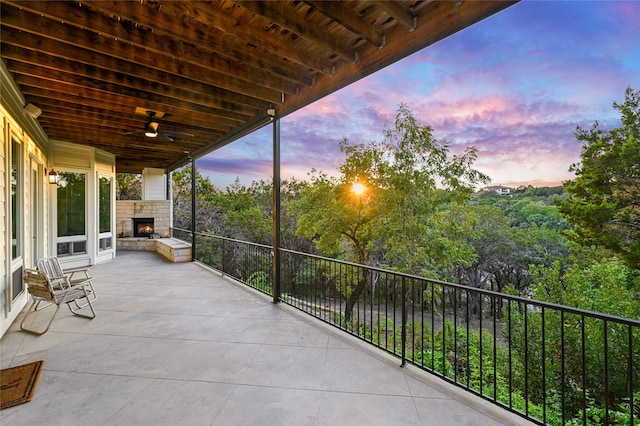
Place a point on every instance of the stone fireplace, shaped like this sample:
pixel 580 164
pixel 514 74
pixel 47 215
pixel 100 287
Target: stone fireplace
pixel 143 226
pixel 131 212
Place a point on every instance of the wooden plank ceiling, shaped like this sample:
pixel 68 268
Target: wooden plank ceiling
pixel 210 69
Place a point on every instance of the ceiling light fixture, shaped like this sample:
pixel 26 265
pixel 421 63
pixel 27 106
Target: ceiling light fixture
pixel 151 129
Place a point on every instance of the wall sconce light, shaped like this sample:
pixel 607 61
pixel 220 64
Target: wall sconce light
pixel 271 112
pixel 53 177
pixel 32 110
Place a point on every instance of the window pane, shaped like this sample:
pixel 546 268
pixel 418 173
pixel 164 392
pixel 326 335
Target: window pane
pixel 64 249
pixel 105 204
pixel 71 204
pixel 16 235
pixel 79 247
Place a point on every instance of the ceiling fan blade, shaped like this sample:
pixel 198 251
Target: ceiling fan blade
pixel 170 132
pixel 165 137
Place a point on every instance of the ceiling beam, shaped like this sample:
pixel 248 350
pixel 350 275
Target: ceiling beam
pixel 400 13
pixel 281 14
pixel 337 11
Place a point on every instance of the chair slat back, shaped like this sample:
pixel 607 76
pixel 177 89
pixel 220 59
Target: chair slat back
pixel 52 269
pixel 37 284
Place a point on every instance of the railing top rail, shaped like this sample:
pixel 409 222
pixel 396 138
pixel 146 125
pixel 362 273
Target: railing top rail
pixel 219 237
pixel 519 299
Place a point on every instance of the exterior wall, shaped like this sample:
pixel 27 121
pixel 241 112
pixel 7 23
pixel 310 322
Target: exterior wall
pixel 6 314
pixel 154 184
pixel 37 221
pixel 31 208
pixel 160 211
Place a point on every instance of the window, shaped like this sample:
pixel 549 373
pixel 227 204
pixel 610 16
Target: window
pixel 71 192
pixel 104 208
pixel 17 213
pixel 16 200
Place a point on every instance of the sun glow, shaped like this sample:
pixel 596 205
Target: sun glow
pixel 358 188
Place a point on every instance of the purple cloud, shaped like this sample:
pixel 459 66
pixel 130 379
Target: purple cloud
pixel 515 86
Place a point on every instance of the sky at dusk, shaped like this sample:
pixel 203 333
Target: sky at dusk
pixel 514 86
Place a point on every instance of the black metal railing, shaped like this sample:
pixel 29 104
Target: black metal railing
pixel 551 364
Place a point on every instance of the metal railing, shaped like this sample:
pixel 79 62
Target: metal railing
pixel 551 364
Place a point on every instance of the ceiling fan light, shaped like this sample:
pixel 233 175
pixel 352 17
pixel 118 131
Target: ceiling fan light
pixel 151 129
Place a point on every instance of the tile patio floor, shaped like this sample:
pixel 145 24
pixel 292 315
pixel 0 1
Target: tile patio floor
pixel 177 344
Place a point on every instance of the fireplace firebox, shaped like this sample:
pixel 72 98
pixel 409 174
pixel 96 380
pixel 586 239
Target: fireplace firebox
pixel 143 227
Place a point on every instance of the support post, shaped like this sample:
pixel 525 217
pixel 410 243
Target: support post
pixel 276 209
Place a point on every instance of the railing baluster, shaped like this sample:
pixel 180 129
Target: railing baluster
pixel 543 330
pixel 526 359
pixel 510 355
pixel 433 325
pixel 584 371
pixel 481 345
pixel 455 335
pixel 630 364
pixel 468 328
pixel 403 330
pixel 495 349
pixel 606 371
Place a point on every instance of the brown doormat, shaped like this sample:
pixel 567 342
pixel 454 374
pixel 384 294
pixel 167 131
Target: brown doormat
pixel 18 384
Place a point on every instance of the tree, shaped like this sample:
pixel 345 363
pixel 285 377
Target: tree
pixel 608 287
pixel 396 221
pixel 604 198
pixel 128 186
pixel 208 215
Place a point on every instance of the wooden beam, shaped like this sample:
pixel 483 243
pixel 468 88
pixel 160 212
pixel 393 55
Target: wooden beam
pixel 131 99
pixel 199 33
pixel 26 61
pixel 400 13
pixel 337 11
pixel 280 13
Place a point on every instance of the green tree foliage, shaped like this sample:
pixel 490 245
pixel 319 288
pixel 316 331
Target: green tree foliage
pixel 208 214
pixel 396 221
pixel 128 186
pixel 608 287
pixel 604 198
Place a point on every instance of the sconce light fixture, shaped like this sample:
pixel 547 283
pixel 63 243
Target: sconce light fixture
pixel 271 112
pixel 53 177
pixel 32 110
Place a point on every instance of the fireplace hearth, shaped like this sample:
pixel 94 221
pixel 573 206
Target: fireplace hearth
pixel 143 227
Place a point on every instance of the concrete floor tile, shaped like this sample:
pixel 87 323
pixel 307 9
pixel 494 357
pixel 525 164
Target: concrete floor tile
pixel 297 333
pixel 268 406
pixel 173 402
pixel 212 361
pixel 350 370
pixel 64 398
pixel 296 367
pixel 439 412
pixel 356 409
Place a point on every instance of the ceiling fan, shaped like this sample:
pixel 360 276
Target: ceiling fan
pixel 151 129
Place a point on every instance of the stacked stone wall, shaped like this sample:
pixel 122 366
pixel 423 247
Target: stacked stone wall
pixel 126 210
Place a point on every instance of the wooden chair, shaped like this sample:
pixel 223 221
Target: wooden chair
pixel 57 292
pixel 56 275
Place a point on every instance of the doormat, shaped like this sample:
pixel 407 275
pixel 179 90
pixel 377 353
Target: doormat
pixel 18 384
